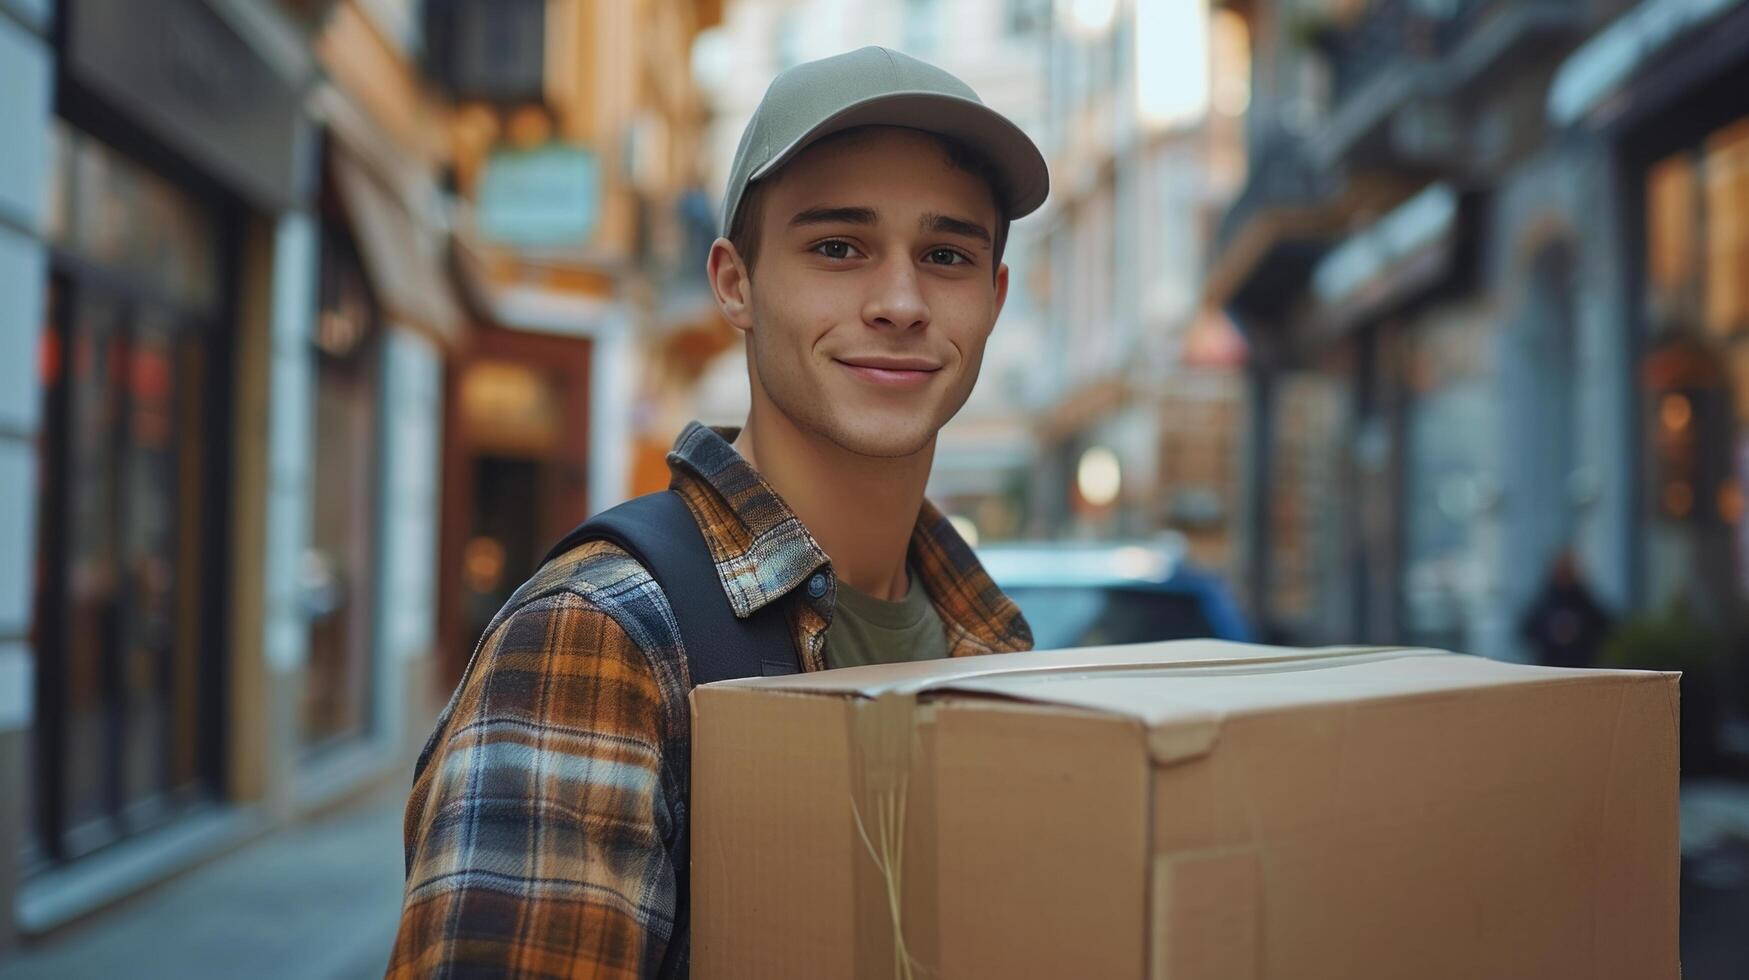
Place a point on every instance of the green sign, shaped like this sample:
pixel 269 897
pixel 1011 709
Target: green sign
pixel 547 197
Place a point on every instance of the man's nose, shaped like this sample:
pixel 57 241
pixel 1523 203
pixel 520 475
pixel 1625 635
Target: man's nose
pixel 896 299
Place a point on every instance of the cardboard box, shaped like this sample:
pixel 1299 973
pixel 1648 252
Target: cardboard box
pixel 1194 811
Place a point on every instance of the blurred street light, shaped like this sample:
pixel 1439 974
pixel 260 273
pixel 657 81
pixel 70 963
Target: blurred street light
pixel 1099 477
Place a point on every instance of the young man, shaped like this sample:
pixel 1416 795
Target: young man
pixel 865 219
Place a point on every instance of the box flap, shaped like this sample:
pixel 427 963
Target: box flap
pixel 1180 690
pixel 1184 705
pixel 927 675
pixel 1103 679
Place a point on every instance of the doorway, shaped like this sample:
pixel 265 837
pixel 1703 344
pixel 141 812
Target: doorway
pixel 515 473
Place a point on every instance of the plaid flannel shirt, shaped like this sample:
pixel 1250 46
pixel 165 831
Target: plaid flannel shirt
pixel 549 808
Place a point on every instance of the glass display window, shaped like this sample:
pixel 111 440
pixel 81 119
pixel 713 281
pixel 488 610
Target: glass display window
pixel 128 540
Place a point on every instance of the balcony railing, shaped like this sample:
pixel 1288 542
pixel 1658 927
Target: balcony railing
pixel 1282 176
pixel 1395 50
pixel 1391 32
pixel 1386 33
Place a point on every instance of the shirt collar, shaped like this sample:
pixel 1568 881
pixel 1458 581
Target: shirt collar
pixel 762 551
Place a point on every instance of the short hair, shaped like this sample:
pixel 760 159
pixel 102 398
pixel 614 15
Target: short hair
pixel 749 221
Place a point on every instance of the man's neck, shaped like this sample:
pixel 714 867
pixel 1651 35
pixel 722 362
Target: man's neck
pixel 860 509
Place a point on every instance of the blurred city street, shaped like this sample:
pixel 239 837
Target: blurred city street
pixel 1395 323
pixel 319 901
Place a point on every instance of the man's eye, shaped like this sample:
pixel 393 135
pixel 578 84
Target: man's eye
pixel 947 256
pixel 835 249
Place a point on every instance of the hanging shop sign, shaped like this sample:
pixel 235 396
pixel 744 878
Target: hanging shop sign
pixel 546 197
pixel 1404 252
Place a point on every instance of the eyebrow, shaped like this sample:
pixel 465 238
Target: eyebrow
pixel 940 224
pixel 833 216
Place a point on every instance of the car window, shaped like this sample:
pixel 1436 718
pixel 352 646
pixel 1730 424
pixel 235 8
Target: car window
pixel 1078 616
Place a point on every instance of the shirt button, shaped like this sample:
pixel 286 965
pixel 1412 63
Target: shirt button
pixel 817 585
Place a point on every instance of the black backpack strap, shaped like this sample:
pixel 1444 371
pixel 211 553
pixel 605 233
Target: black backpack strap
pixel 658 530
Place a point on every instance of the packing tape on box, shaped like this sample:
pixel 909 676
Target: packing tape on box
pixel 893 873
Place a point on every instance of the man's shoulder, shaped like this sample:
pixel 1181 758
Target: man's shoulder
pixel 602 578
pixel 594 615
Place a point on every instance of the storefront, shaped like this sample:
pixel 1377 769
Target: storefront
pixel 1308 583
pixel 172 135
pixel 516 474
pixel 1451 586
pixel 1377 434
pixel 355 625
pixel 1692 171
pixel 1695 371
pixel 231 498
pixel 134 350
pixel 1666 88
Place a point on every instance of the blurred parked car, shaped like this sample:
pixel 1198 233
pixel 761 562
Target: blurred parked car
pixel 1095 594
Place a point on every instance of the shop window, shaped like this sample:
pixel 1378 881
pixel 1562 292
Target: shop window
pixel 338 568
pixel 112 212
pixel 1726 207
pixel 130 534
pixel 1695 376
pixel 1671 218
pixel 1306 588
pixel 1451 415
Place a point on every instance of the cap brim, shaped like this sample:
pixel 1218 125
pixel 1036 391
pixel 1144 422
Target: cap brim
pixel 1014 155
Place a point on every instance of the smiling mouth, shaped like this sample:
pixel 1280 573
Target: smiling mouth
pixel 892 374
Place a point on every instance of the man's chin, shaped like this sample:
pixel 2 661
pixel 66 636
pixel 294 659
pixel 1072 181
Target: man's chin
pixel 875 439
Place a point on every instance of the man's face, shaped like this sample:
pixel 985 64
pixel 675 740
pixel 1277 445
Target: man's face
pixel 873 296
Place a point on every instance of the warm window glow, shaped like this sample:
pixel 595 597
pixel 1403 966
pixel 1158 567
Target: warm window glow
pixel 1670 230
pixel 1675 412
pixel 1731 502
pixel 1726 165
pixel 483 564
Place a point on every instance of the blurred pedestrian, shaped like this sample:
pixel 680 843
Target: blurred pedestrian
pixel 1565 625
pixel 548 825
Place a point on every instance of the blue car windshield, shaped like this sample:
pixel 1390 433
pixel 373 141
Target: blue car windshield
pixel 1078 616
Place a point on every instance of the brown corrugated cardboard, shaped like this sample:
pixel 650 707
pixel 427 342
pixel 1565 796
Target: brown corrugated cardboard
pixel 1187 811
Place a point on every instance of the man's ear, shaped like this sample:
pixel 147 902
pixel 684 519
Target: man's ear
pixel 731 284
pixel 1001 287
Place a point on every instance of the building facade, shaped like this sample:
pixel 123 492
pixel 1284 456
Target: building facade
pixel 1490 261
pixel 323 318
pixel 228 310
pixel 1136 395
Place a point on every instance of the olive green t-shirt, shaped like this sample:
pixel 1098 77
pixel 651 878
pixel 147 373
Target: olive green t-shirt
pixel 867 630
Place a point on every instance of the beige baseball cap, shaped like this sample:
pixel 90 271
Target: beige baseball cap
pixel 875 86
